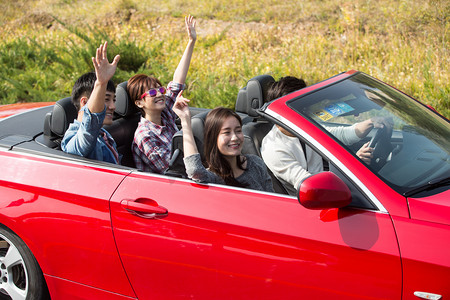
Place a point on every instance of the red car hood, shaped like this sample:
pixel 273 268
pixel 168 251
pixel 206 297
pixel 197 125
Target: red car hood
pixel 434 208
pixel 12 109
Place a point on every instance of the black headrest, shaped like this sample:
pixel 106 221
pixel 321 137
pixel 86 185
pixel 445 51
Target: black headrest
pixel 64 112
pixel 124 106
pixel 176 164
pixel 251 97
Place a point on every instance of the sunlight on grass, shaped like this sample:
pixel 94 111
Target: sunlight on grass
pixel 404 43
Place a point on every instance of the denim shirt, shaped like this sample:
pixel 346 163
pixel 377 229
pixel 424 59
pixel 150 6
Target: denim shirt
pixel 85 139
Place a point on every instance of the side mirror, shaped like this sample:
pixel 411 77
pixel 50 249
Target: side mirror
pixel 324 190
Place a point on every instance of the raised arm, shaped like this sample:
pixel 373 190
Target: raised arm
pixel 181 108
pixel 363 128
pixel 183 66
pixel 104 72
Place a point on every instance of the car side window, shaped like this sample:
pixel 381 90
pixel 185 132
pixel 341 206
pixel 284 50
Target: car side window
pixel 359 200
pixel 290 160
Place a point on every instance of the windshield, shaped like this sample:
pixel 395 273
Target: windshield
pixel 411 151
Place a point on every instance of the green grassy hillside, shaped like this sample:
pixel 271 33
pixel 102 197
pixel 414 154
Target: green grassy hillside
pixel 46 44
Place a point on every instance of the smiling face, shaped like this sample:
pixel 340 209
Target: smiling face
pixel 230 139
pixel 150 107
pixel 110 103
pixel 151 104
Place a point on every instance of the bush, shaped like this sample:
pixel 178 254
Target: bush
pixel 404 43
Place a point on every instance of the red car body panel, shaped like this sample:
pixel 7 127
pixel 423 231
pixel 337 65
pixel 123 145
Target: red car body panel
pixel 392 201
pixel 424 248
pixel 12 109
pixel 66 289
pixel 104 232
pixel 434 208
pixel 74 204
pixel 413 218
pixel 426 236
pixel 258 244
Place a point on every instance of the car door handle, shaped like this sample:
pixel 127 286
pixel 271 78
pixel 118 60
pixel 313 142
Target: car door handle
pixel 144 207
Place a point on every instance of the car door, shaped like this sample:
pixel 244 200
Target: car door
pixel 219 242
pixel 60 209
pixel 424 241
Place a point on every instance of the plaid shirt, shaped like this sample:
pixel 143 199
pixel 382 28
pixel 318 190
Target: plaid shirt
pixel 152 143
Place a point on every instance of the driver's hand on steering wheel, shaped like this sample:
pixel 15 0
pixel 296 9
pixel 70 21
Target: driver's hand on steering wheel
pixel 363 128
pixel 380 122
pixel 365 153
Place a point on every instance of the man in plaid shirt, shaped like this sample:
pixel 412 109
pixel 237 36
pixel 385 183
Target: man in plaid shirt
pixel 153 137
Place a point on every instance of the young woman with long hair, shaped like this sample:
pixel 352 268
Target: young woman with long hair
pixel 223 141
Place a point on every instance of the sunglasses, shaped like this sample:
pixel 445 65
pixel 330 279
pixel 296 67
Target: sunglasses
pixel 154 92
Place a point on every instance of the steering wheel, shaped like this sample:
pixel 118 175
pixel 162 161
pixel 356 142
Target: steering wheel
pixel 382 147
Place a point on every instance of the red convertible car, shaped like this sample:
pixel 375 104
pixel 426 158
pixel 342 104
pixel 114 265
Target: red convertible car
pixel 74 228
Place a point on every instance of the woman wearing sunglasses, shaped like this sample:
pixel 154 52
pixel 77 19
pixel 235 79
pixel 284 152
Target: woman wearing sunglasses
pixel 153 136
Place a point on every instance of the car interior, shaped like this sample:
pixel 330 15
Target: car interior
pixel 30 134
pixel 250 98
pixel 126 119
pixel 58 117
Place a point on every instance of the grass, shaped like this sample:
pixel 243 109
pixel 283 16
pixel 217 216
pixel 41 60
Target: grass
pixel 404 43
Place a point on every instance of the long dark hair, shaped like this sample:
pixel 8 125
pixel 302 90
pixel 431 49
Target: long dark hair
pixel 215 161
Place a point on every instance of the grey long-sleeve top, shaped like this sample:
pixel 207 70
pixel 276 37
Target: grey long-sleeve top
pixel 254 177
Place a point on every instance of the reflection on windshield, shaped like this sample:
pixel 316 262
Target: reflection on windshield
pixel 412 153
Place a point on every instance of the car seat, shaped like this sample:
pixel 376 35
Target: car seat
pixel 251 98
pixel 176 163
pixel 56 123
pixel 122 129
pixel 126 120
pixel 244 108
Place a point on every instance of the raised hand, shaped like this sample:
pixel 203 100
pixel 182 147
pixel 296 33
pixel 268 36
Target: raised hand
pixel 380 122
pixel 103 69
pixel 190 27
pixel 181 107
pixel 183 66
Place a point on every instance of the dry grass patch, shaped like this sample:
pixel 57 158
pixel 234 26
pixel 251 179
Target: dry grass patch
pixel 404 43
